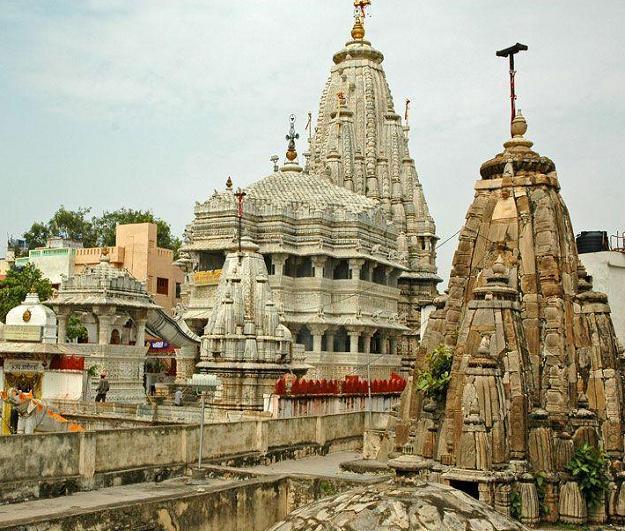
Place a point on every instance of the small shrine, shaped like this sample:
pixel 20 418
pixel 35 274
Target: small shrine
pixel 244 343
pixel 113 307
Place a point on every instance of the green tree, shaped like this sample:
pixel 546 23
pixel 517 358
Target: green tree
pixel 97 231
pixel 434 379
pixel 75 329
pixel 37 235
pixel 107 223
pixel 19 283
pixel 73 225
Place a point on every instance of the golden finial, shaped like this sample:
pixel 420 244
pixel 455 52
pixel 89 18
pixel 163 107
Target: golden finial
pixel 229 183
pixel 358 31
pixel 360 11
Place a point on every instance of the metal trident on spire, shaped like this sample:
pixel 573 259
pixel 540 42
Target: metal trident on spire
pixel 240 195
pixel 291 153
pixel 510 52
pixel 360 12
pixel 360 8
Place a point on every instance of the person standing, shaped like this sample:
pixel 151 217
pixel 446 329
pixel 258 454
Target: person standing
pixel 102 389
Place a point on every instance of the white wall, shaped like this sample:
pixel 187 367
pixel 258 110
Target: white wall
pixel 53 267
pixel 65 385
pixel 607 269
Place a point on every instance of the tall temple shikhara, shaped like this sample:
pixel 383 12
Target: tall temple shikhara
pixel 537 368
pixel 347 238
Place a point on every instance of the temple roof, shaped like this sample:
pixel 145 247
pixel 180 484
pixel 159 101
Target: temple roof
pixel 517 154
pixel 283 188
pixel 394 505
pixel 103 285
pixel 244 325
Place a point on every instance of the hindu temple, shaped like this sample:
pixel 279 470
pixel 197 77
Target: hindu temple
pixel 536 369
pixel 347 237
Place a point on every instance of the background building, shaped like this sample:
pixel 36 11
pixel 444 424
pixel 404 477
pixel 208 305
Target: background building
pixel 135 250
pixel 604 260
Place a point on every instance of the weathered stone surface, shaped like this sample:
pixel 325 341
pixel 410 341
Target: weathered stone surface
pixel 536 371
pixel 392 506
pixel 572 504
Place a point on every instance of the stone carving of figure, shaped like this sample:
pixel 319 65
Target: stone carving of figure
pixel 402 242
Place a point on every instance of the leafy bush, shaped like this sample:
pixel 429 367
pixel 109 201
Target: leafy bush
pixel 515 505
pixel 589 467
pixel 75 329
pixel 433 380
pixel 327 488
pixel 541 490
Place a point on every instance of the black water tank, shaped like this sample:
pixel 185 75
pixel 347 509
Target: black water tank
pixel 592 241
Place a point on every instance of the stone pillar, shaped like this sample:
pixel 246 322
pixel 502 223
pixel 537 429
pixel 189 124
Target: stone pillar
pixel 354 334
pixel 367 341
pixel 318 263
pixel 61 326
pixel 383 343
pixel 140 339
pixel 330 340
pixel 185 364
pixel 388 272
pixel 317 333
pixel 355 265
pixel 278 260
pixel 105 320
pixel 394 345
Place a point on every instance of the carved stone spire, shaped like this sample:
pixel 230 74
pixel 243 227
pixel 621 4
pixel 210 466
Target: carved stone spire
pixel 360 143
pixel 244 339
pixel 551 378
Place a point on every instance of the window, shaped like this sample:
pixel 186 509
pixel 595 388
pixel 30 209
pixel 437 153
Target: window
pixel 178 290
pixel 341 270
pixel 211 261
pixel 162 286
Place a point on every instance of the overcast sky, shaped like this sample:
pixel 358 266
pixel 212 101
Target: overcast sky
pixel 153 103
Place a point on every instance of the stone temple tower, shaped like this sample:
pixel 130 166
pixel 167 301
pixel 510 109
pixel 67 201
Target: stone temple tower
pixel 361 143
pixel 537 370
pixel 244 344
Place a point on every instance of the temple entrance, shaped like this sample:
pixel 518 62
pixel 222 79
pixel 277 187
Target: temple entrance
pixel 468 487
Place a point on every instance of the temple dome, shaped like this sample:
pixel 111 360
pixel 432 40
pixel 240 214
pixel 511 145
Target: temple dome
pixel 33 313
pixel 302 189
pixel 397 506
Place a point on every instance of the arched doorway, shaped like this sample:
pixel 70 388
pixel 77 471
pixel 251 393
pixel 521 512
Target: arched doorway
pixel 115 337
pixel 304 337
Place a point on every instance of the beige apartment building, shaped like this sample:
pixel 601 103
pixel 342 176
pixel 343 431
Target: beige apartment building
pixel 135 250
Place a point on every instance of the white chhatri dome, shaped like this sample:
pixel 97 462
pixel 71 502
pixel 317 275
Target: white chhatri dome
pixel 33 313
